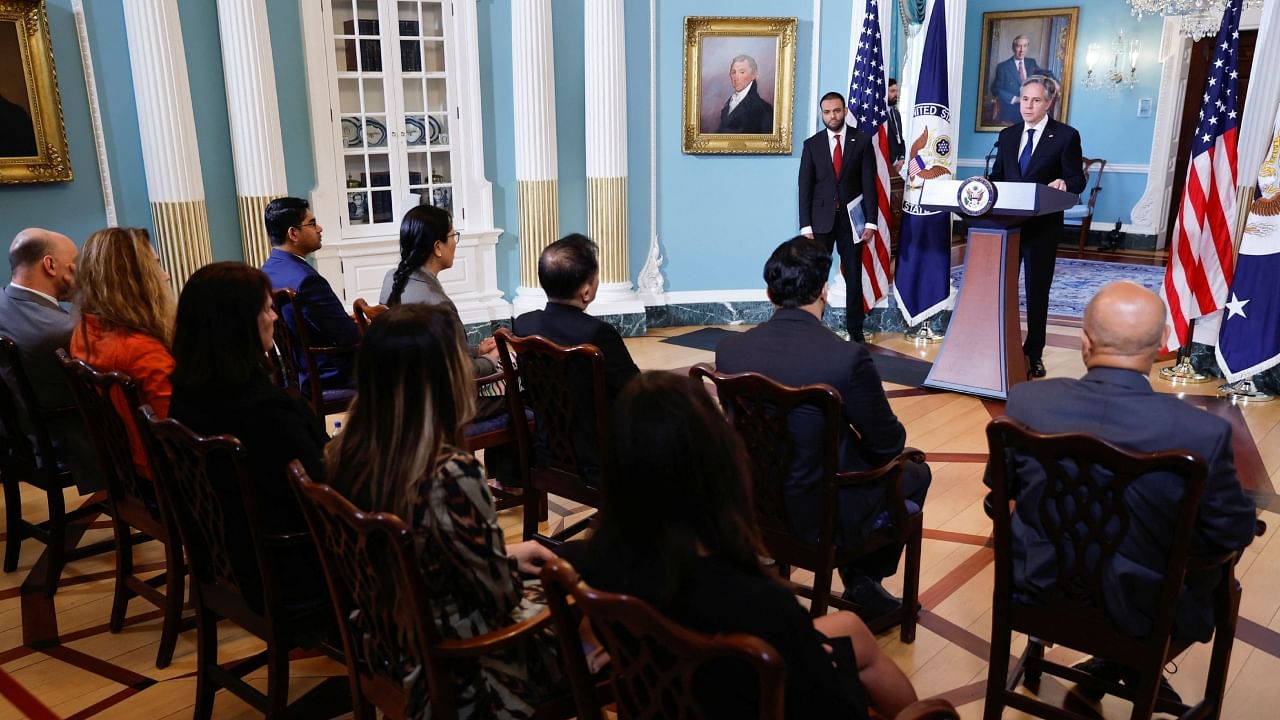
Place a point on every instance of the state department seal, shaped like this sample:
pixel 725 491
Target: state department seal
pixel 976 196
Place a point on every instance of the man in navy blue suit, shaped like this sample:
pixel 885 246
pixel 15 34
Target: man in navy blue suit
pixel 1124 331
pixel 295 234
pixel 1040 150
pixel 1010 74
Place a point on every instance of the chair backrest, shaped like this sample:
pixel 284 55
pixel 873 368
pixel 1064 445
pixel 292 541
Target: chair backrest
pixel 1085 518
pixel 365 313
pixel 379 596
pixel 1093 185
pixel 106 402
pixel 652 660
pixel 565 390
pixel 19 415
pixel 288 350
pixel 214 501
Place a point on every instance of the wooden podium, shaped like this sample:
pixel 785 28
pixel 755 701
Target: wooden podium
pixel 982 352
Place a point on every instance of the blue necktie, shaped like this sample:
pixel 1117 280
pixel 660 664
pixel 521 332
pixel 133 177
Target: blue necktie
pixel 1024 160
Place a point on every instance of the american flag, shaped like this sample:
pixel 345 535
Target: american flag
pixel 869 113
pixel 1200 263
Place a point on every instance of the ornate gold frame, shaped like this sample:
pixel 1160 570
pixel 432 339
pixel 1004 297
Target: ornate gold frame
pixel 52 163
pixel 783 30
pixel 1064 48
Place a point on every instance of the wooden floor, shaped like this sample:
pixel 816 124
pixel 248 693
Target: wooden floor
pixel 95 674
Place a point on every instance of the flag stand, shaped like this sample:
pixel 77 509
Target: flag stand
pixel 1244 391
pixel 1183 372
pixel 922 334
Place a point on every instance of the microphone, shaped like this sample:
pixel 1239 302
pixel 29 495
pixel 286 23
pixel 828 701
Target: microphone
pixel 995 146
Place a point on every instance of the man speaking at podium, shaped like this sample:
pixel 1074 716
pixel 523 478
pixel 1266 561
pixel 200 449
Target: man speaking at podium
pixel 1040 150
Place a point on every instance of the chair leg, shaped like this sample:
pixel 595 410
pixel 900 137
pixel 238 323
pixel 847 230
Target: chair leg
pixel 124 570
pixel 206 658
pixel 57 545
pixel 1144 696
pixel 821 590
pixel 911 582
pixel 277 679
pixel 997 671
pixel 14 526
pixel 532 511
pixel 1228 609
pixel 173 602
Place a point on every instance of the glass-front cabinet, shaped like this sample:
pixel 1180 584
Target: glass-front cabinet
pixel 393 88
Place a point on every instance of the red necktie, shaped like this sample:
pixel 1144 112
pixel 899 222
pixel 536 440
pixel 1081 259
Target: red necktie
pixel 837 157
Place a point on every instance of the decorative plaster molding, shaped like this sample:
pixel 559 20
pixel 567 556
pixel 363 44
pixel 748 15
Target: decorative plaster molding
pixel 95 112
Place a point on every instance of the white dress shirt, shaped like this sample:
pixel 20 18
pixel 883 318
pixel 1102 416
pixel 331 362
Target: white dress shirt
pixel 50 298
pixel 1035 142
pixel 736 98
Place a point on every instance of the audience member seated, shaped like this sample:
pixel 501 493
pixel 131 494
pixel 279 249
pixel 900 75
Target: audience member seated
pixel 124 320
pixel 221 385
pixel 678 531
pixel 427 245
pixel 795 348
pixel 43 268
pixel 401 452
pixel 295 234
pixel 1124 331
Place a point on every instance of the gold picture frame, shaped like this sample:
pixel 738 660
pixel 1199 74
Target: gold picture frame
pixel 33 137
pixel 739 85
pixel 1051 37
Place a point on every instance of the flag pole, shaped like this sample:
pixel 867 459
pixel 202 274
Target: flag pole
pixel 1183 372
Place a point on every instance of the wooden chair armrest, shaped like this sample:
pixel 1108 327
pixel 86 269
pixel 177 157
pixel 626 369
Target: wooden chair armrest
pixel 286 540
pixel 894 500
pixel 491 378
pixel 332 349
pixel 868 477
pixel 488 642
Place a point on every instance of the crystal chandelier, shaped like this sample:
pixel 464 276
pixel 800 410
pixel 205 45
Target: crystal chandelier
pixel 1124 54
pixel 1200 18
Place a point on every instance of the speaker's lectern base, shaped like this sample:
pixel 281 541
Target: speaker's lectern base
pixel 982 352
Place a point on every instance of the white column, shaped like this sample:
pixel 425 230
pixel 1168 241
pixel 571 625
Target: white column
pixel 605 66
pixel 537 177
pixel 166 123
pixel 257 148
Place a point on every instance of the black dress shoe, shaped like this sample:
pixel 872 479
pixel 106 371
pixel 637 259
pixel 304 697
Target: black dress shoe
pixel 1115 672
pixel 871 596
pixel 1035 368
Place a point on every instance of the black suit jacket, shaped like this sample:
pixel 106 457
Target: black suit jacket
pixel 326 318
pixel 897 146
pixel 1120 406
pixel 795 348
pixel 821 192
pixel 752 115
pixel 1056 157
pixel 567 325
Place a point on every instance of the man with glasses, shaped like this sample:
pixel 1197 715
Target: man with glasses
pixel 295 234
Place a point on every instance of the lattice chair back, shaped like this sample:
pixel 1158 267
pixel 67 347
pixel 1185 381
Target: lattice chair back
pixel 1085 516
pixel 379 595
pixel 653 661
pixel 285 355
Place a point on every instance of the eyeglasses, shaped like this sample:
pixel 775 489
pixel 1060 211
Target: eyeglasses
pixel 307 224
pixel 452 236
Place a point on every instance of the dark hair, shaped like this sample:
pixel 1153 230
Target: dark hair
pixel 566 265
pixel 29 248
pixel 282 214
pixel 414 393
pixel 892 81
pixel 678 459
pixel 833 95
pixel 796 272
pixel 215 340
pixel 422 227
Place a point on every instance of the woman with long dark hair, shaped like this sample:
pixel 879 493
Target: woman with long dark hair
pixel 401 451
pixel 677 530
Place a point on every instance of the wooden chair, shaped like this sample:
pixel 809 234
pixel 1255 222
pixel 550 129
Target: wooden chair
pixel 496 431
pixel 37 464
pixel 758 408
pixel 214 497
pixel 364 313
pixel 383 610
pixel 1083 213
pixel 653 661
pixel 565 392
pixel 323 401
pixel 135 501
pixel 1085 472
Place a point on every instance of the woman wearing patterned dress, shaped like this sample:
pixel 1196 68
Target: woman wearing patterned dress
pixel 400 452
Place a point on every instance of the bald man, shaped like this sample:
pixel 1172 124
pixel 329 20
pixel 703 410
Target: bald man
pixel 43 267
pixel 1123 333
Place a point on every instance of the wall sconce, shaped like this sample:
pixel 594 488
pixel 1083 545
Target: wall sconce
pixel 1123 71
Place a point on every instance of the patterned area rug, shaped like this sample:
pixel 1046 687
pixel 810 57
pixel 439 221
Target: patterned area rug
pixel 1076 281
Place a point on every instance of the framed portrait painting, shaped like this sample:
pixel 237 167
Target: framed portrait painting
pixel 739 80
pixel 1017 45
pixel 33 138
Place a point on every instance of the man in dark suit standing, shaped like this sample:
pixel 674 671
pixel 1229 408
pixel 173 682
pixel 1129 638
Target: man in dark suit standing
pixel 43 264
pixel 1124 331
pixel 1041 150
pixel 897 146
pixel 795 348
pixel 837 165
pixel 1010 74
pixel 745 111
pixel 569 272
pixel 295 234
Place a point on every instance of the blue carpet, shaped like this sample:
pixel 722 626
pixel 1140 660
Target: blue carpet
pixel 1076 281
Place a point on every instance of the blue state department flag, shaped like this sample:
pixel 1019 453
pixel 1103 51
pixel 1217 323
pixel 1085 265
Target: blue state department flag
pixel 1249 340
pixel 922 281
